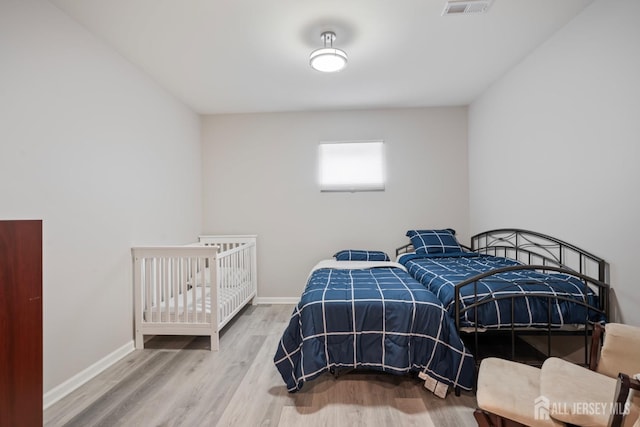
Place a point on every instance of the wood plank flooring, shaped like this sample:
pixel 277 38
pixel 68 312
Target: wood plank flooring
pixel 177 381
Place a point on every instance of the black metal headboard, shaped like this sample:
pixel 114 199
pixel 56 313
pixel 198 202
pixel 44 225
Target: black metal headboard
pixel 531 247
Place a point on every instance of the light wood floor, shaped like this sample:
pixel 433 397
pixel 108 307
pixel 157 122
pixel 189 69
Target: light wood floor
pixel 177 381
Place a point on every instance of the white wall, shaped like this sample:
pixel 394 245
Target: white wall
pixel 554 145
pixel 260 177
pixel 105 158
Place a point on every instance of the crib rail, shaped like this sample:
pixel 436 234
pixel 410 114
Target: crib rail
pixel 171 292
pixel 236 274
pixel 194 289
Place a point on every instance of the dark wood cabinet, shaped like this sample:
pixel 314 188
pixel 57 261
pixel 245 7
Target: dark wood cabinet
pixel 21 323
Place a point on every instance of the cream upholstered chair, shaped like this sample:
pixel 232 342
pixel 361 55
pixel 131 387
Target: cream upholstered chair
pixel 562 393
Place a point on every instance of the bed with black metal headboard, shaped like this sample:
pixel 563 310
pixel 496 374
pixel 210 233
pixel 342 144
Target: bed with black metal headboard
pixel 511 281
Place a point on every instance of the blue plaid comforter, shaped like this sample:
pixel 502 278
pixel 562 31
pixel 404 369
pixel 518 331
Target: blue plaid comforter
pixel 440 274
pixel 379 319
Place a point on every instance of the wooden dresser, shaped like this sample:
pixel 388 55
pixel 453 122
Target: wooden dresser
pixel 21 323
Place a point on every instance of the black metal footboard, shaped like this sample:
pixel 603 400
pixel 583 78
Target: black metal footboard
pixel 595 311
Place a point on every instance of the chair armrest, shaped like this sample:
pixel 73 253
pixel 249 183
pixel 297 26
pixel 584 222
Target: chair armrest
pixel 625 384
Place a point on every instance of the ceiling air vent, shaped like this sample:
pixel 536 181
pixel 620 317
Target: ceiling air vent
pixel 466 7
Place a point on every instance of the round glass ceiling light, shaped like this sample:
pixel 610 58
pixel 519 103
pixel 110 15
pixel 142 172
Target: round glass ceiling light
pixel 328 59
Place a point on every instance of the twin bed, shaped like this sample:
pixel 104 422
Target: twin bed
pixel 511 280
pixel 371 315
pixel 363 312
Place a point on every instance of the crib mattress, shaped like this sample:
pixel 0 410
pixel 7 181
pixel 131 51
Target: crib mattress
pixel 174 309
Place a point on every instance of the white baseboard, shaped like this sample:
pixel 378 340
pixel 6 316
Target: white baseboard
pixel 277 300
pixel 60 391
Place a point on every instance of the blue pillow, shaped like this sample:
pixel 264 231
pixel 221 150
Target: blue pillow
pixel 359 255
pixel 434 241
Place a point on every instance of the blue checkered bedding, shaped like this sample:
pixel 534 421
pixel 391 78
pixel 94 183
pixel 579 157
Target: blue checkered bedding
pixel 440 274
pixel 379 319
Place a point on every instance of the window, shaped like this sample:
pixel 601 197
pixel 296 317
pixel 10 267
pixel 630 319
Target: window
pixel 352 166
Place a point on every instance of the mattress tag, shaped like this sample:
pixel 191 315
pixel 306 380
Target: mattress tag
pixel 430 384
pixel 435 386
pixel 441 390
pixel 423 376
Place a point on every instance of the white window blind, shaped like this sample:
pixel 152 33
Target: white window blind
pixel 351 166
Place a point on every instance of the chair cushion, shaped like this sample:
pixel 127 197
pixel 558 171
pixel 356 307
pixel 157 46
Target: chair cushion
pixel 634 411
pixel 511 390
pixel 633 417
pixel 576 395
pixel 620 350
pixel 621 353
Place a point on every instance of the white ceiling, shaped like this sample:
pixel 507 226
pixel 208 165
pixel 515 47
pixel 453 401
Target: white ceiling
pixel 239 56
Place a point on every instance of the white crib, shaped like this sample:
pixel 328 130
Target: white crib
pixel 193 289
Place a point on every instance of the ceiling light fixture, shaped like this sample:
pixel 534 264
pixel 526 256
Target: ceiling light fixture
pixel 328 59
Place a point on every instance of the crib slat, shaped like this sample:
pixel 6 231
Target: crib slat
pixel 166 297
pixel 177 289
pixel 157 291
pixel 193 294
pixel 184 274
pixel 146 302
pixel 200 288
pixel 158 294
